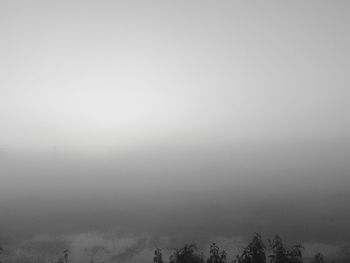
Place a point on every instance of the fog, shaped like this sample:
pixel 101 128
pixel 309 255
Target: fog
pixel 130 125
pixel 179 194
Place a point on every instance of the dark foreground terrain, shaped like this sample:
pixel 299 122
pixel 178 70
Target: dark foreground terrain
pixel 256 251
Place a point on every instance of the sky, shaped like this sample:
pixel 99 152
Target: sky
pixel 213 119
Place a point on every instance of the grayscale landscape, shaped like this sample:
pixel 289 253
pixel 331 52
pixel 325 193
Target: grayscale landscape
pixel 174 131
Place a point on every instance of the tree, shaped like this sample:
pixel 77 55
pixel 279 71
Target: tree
pixel 295 254
pixel 187 254
pixel 158 258
pixel 319 258
pixel 279 253
pixel 216 256
pixel 64 257
pixel 255 252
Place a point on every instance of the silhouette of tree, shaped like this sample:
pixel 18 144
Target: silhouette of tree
pixel 319 258
pixel 64 257
pixel 187 254
pixel 216 256
pixel 282 255
pixel 255 252
pixel 158 258
pixel 295 254
pixel 279 253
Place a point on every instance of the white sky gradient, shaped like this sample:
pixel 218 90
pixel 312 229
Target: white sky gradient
pixel 121 73
pixel 187 120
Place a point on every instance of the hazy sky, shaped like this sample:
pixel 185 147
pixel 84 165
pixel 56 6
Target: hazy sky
pixel 114 73
pixel 205 118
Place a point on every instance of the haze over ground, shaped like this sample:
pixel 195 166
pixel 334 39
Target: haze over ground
pixel 138 124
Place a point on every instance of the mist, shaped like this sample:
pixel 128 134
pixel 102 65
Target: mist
pixel 130 125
